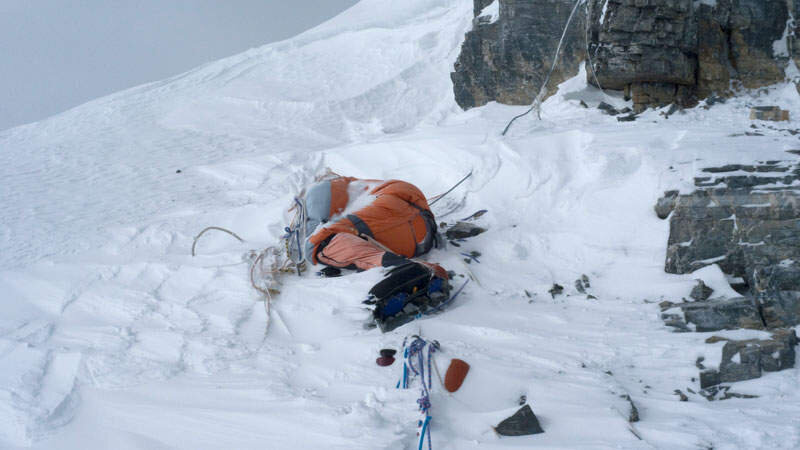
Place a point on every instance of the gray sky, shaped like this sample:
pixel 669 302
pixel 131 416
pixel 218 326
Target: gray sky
pixel 56 54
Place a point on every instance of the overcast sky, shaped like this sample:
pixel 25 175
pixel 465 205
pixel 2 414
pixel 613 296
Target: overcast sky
pixel 56 54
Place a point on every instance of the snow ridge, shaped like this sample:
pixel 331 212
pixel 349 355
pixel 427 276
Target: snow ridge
pixel 111 334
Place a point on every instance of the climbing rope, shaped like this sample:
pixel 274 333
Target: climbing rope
pixel 543 89
pixel 194 243
pixel 436 198
pixel 277 265
pixel 414 362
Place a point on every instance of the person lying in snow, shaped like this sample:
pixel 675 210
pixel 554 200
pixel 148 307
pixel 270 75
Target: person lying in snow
pixel 349 223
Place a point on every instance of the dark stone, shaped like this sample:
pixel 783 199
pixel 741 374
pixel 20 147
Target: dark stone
pixel 747 359
pixel 709 378
pixel 666 204
pixel 522 423
pixel 722 393
pixel 681 396
pixel 628 118
pixel 700 291
pixel 463 230
pixel 557 289
pixel 608 109
pixel 633 414
pixel 582 283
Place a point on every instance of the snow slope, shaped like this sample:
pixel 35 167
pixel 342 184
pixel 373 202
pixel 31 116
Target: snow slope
pixel 111 334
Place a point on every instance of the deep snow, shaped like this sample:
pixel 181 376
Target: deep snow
pixel 113 335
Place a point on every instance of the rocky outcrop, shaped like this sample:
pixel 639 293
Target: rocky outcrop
pixel 506 58
pixel 746 45
pixel 748 359
pixel 648 48
pixel 745 219
pixel 657 51
pixel 665 51
pixel 712 315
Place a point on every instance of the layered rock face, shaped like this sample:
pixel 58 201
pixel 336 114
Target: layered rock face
pixel 748 359
pixel 506 59
pixel 746 219
pixel 646 47
pixel 657 51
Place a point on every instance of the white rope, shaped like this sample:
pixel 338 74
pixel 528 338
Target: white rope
pixel 538 100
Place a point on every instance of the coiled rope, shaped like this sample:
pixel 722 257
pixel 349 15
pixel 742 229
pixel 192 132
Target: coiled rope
pixel 414 365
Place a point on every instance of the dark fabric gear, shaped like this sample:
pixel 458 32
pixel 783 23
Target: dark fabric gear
pixel 407 292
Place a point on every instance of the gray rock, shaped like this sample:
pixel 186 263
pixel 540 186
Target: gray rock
pixel 557 289
pixel 666 204
pixel 781 308
pixel 508 60
pixel 463 230
pixel 657 51
pixel 700 291
pixel 722 314
pixel 771 113
pixel 633 413
pixel 747 359
pixel 522 423
pixel 608 109
pixel 582 284
pixel 746 219
pixel 718 392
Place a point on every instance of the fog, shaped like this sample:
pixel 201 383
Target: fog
pixel 56 54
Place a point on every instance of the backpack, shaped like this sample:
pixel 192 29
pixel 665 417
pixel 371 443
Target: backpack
pixel 407 292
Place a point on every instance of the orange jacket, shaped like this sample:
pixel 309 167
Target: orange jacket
pixel 399 218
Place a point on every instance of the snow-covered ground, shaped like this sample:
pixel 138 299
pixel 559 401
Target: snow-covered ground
pixel 112 335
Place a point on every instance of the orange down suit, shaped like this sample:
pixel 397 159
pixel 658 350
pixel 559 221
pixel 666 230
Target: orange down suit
pixel 396 224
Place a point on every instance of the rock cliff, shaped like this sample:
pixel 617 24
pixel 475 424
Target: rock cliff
pixel 657 51
pixel 745 219
pixel 507 55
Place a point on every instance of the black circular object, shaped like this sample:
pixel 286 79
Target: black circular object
pixel 388 352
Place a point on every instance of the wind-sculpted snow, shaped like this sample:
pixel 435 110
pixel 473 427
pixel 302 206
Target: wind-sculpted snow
pixel 112 335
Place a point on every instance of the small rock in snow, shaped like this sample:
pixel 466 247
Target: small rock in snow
pixel 522 423
pixel 700 291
